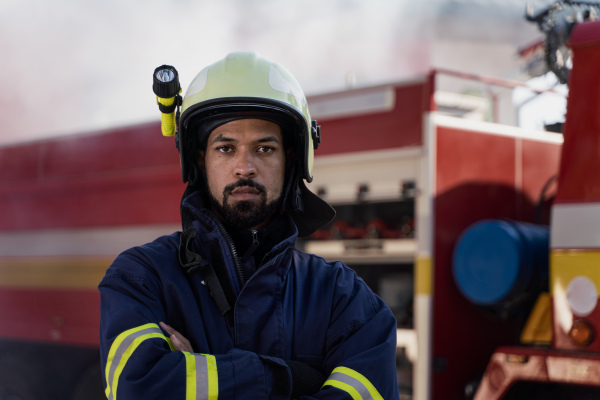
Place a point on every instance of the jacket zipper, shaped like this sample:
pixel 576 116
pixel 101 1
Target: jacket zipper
pixel 232 248
pixel 255 243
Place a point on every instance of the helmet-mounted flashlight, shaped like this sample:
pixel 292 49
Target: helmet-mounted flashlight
pixel 166 88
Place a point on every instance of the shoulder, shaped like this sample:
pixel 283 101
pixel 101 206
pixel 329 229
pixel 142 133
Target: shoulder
pixel 341 280
pixel 334 286
pixel 147 259
pixel 312 263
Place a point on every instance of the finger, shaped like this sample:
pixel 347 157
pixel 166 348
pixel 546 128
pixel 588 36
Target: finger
pixel 181 343
pixel 185 344
pixel 176 342
pixel 167 328
pixel 177 339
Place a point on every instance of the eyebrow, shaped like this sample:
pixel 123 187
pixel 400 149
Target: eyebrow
pixel 221 138
pixel 265 139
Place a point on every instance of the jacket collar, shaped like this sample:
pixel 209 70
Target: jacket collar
pixel 195 203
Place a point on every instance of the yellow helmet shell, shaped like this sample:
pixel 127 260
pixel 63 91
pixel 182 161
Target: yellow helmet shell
pixel 245 80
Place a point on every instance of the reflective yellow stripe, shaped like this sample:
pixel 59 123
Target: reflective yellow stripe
pixel 353 383
pixel 202 380
pixel 213 378
pixel 190 376
pixel 120 351
pixel 168 339
pixel 345 387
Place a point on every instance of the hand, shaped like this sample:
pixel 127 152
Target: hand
pixel 178 341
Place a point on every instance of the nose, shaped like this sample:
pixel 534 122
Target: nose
pixel 245 166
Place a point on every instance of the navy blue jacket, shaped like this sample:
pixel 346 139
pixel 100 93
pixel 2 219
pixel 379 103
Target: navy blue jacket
pixel 296 306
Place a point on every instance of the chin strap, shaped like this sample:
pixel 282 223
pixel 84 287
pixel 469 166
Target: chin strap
pixel 297 202
pixel 292 191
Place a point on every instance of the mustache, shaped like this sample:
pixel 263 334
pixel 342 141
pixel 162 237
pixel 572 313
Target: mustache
pixel 244 182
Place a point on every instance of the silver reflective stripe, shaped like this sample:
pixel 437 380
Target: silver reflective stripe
pixel 202 377
pixel 126 343
pixel 355 383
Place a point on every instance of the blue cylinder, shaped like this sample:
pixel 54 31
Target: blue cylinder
pixel 497 261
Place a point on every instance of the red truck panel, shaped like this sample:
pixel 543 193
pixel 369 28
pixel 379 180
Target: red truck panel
pixel 477 177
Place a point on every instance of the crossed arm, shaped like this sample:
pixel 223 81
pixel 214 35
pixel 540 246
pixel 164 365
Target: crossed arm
pixel 141 362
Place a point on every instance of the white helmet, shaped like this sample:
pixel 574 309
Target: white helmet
pixel 246 85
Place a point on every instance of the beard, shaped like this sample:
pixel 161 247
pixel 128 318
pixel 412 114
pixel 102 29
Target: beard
pixel 244 214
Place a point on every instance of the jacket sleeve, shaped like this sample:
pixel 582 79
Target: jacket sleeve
pixel 361 344
pixel 139 363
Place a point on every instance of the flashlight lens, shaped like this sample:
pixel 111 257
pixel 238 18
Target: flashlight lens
pixel 165 75
pixel 165 82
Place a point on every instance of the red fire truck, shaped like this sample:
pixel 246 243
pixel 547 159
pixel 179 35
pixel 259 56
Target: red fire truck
pixel 566 320
pixel 413 185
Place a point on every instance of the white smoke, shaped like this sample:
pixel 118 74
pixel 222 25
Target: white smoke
pixel 72 66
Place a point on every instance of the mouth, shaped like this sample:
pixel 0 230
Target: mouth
pixel 245 193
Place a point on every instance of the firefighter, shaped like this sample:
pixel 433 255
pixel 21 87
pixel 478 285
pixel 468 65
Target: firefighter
pixel 229 308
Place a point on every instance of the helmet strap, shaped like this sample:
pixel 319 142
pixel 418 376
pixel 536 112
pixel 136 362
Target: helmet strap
pixel 292 191
pixel 298 204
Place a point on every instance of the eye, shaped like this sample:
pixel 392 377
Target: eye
pixel 224 149
pixel 266 149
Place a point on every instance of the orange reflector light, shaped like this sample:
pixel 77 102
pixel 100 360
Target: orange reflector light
pixel 581 333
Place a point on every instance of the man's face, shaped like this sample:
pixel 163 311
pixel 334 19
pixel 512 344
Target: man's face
pixel 244 163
